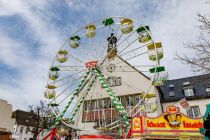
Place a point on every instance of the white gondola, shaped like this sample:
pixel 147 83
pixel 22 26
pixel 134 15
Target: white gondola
pixel 149 107
pixel 62 56
pixel 160 77
pixel 75 41
pixel 54 74
pixel 90 31
pixel 144 35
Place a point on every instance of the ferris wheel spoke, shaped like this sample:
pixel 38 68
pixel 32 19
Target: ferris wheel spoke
pixel 77 59
pixel 103 36
pixel 127 37
pixel 81 100
pixel 105 47
pixel 74 74
pixel 137 91
pixel 103 44
pixel 106 56
pixel 133 57
pixel 63 92
pixel 132 49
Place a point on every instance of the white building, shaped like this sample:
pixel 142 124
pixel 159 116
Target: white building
pixel 196 90
pixel 6 120
pixel 23 121
pixel 129 85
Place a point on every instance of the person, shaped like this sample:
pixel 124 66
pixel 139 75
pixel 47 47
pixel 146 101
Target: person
pixel 168 118
pixel 112 41
pixel 178 118
pixel 112 46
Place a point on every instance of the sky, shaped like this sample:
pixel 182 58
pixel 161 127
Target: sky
pixel 31 32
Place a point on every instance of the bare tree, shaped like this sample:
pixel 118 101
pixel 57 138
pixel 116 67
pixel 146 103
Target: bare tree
pixel 43 118
pixel 200 60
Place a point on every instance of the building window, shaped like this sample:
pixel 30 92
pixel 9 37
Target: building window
pixel 94 106
pixel 137 99
pixel 122 100
pixel 129 100
pixel 21 130
pixel 85 106
pixel 171 91
pixel 193 112
pixel 103 104
pixel 188 91
pixel 208 89
pixel 114 81
pixel 110 103
pixel 26 131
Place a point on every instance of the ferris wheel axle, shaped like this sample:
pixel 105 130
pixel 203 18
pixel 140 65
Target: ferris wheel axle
pixel 91 64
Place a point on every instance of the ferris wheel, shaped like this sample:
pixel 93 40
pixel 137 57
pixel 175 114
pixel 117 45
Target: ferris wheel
pixel 97 67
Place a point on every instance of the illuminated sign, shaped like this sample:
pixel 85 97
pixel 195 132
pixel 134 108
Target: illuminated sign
pixel 91 64
pixel 171 122
pixel 172 109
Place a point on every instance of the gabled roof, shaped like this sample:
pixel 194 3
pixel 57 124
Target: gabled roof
pixel 199 84
pixel 25 118
pixel 133 67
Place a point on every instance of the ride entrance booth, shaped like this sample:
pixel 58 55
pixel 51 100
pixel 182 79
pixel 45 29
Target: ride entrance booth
pixel 172 124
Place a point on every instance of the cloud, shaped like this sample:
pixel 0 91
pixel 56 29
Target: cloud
pixel 50 23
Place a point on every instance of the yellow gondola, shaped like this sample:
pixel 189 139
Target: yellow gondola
pixel 126 26
pixel 62 130
pixel 155 53
pixel 90 31
pixel 50 92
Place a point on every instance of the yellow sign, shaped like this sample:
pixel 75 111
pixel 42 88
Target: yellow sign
pixel 168 121
pixel 136 124
pixel 171 123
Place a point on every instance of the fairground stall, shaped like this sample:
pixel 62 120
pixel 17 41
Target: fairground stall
pixel 172 124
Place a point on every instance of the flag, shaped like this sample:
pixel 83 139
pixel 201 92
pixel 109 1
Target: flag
pixel 184 103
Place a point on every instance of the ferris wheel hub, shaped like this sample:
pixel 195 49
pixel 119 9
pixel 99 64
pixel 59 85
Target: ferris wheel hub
pixel 91 64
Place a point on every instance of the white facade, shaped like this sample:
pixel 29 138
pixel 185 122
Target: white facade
pixel 132 82
pixel 21 133
pixel 6 120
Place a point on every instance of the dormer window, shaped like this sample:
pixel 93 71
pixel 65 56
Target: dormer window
pixel 171 91
pixel 208 89
pixel 188 91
